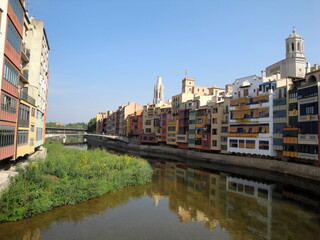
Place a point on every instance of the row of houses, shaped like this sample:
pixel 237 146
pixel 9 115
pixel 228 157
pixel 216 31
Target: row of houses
pixel 274 114
pixel 24 71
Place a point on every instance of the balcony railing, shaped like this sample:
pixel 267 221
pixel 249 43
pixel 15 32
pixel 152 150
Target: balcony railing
pixel 25 52
pixel 23 123
pixel 23 94
pixel 25 75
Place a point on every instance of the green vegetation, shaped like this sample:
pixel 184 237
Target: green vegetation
pixel 92 125
pixel 69 176
pixel 78 125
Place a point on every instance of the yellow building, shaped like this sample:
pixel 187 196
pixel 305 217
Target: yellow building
pixel 26 125
pixel 201 122
pixel 172 130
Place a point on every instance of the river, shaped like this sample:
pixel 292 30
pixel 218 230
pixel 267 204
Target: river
pixel 183 202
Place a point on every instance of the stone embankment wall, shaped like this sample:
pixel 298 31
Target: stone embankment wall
pixel 5 175
pixel 191 156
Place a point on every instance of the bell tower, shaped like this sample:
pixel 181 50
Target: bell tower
pixel 158 96
pixel 294 45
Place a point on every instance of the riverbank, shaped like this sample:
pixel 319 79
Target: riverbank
pixel 191 156
pixel 69 176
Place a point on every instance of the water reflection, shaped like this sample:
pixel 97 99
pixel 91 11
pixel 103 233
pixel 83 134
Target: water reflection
pixel 187 203
pixel 79 146
pixel 247 209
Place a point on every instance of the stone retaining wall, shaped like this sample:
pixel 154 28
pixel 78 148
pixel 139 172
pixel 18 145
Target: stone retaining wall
pixel 171 153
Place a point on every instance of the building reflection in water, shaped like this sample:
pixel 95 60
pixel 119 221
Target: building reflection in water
pixel 247 209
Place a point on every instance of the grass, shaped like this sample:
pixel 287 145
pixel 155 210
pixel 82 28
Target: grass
pixel 69 176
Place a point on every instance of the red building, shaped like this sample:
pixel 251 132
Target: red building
pixel 164 118
pixel 10 79
pixel 135 123
pixel 206 138
pixel 183 128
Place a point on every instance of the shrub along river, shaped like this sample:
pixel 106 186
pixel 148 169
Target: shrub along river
pixel 185 202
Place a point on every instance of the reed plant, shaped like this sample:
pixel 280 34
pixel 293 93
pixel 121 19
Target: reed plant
pixel 69 176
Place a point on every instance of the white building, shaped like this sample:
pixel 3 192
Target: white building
pixel 251 116
pixel 36 40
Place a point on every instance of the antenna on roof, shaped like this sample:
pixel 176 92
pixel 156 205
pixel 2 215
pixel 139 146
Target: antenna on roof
pixel 186 72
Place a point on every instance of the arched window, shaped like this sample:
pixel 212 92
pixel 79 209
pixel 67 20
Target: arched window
pixel 312 79
pixel 292 46
pixel 298 46
pixel 287 47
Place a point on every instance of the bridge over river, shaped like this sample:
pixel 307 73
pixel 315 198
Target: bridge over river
pixel 66 135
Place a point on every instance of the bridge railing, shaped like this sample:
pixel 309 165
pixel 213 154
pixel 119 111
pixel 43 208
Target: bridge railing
pixel 50 130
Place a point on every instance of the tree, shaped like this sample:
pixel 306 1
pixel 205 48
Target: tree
pixel 92 125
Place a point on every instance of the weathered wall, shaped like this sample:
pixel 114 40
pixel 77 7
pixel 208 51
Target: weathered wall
pixel 170 153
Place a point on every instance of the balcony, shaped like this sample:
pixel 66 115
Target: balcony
pixel 308 156
pixel 25 52
pixel 23 94
pixel 311 139
pixel 25 76
pixel 290 154
pixel 307 118
pixel 182 138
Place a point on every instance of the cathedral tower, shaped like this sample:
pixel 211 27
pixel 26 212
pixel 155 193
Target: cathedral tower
pixel 294 45
pixel 158 96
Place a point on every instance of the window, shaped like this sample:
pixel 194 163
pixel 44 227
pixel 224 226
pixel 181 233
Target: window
pixel 249 190
pixel 309 109
pixel 264 145
pixel 10 73
pixel 172 128
pixel 148 122
pixel 39 134
pixel 245 92
pixel 13 37
pixel 33 112
pixel 8 104
pixel 214 120
pixel 214 131
pixel 292 46
pixel 32 128
pixel 24 112
pixel 233 143
pixel 214 143
pixel 308 92
pixel 224 129
pixel 15 4
pixel 223 139
pixel 22 137
pixel 250 144
pixel 148 130
pixel 241 143
pixel 6 135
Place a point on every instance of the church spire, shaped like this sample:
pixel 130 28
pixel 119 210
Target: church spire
pixel 158 96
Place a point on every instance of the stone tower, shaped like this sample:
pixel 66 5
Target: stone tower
pixel 294 45
pixel 187 85
pixel 158 96
pixel 294 65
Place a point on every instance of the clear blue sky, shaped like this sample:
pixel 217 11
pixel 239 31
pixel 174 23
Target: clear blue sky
pixel 105 53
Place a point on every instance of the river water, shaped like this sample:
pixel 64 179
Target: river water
pixel 183 202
